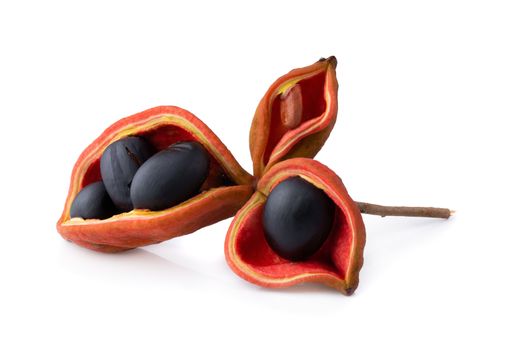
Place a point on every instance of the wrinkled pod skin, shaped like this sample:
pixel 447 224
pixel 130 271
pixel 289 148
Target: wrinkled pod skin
pixel 170 177
pixel 226 188
pixel 295 116
pixel 336 257
pixel 297 219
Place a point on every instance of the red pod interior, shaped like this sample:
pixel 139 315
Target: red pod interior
pixel 285 126
pixel 314 105
pixel 332 257
pixel 336 263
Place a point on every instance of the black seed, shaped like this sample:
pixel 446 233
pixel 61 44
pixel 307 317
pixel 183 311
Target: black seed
pixel 170 176
pixel 297 218
pixel 93 202
pixel 118 165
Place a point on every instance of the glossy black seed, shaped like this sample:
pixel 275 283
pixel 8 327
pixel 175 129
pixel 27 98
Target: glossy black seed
pixel 170 176
pixel 118 165
pixel 93 202
pixel 297 218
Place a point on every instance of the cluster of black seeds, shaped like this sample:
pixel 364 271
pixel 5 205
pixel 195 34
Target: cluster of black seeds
pixel 135 177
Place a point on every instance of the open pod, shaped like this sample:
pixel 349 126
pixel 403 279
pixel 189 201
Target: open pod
pixel 226 188
pixel 338 260
pixel 295 116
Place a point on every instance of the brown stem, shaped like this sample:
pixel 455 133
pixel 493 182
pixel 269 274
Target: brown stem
pixel 428 212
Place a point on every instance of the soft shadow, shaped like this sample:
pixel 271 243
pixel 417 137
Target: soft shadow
pixel 303 288
pixel 323 300
pixel 129 266
pixel 388 239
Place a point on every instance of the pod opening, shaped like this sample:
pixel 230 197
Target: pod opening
pixel 253 249
pixel 312 105
pixel 160 137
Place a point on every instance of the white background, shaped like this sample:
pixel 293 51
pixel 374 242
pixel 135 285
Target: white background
pixel 431 111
